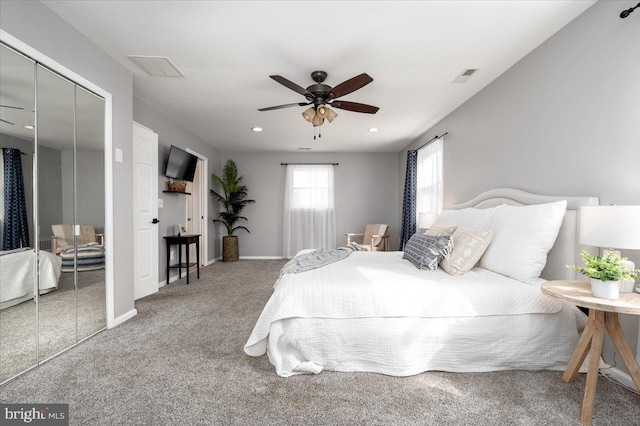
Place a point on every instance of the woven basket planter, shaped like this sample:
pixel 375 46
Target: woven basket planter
pixel 230 248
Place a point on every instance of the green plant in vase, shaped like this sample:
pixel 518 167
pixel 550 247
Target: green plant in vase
pixel 605 273
pixel 233 196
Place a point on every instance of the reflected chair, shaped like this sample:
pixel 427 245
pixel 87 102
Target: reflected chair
pixel 374 238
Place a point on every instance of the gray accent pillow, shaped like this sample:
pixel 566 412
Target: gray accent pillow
pixel 440 230
pixel 426 251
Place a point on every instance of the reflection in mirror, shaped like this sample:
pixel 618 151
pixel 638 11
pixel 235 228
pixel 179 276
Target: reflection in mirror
pixel 17 261
pixel 90 213
pixel 55 133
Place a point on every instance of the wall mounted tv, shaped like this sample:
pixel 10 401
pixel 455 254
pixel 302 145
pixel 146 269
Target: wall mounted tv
pixel 180 164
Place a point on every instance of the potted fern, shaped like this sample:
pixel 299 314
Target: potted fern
pixel 605 273
pixel 233 196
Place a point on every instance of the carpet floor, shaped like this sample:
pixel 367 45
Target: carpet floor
pixel 180 362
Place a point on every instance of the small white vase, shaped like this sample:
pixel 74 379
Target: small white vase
pixel 605 289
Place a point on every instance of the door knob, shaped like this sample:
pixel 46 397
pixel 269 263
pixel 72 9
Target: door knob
pixel 155 220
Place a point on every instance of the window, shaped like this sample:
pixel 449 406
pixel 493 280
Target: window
pixel 309 209
pixel 310 187
pixel 429 187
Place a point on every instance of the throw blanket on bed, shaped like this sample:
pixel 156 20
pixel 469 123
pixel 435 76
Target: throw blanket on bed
pixel 316 259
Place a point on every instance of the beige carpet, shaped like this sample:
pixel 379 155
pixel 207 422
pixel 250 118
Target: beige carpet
pixel 180 362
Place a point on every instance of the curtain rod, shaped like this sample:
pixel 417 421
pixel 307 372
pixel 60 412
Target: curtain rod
pixel 432 139
pixel 22 153
pixel 310 164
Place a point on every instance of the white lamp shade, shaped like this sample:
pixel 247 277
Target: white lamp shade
pixel 425 220
pixel 610 226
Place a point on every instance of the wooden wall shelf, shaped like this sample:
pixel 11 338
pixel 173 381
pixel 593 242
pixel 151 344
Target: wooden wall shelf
pixel 176 192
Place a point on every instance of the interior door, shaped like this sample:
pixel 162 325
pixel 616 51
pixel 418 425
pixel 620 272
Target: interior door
pixel 195 213
pixel 145 200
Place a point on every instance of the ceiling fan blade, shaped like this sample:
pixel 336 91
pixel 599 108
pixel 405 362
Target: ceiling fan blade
pixel 350 85
pixel 284 106
pixel 5 121
pixel 355 107
pixel 291 85
pixel 12 107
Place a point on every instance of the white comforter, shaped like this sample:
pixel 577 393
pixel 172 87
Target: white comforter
pixel 376 312
pixel 382 284
pixel 17 275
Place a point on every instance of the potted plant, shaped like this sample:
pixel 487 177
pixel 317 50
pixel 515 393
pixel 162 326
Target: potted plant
pixel 605 273
pixel 233 197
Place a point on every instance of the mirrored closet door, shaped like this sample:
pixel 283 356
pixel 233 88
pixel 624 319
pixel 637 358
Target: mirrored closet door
pixel 62 300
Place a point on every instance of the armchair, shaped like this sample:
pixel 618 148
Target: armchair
pixel 374 238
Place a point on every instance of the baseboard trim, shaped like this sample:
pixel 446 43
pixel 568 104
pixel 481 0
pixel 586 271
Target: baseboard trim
pixel 122 318
pixel 211 262
pixel 620 377
pixel 261 257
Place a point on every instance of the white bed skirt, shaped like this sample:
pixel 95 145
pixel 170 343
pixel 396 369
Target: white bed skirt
pixel 408 346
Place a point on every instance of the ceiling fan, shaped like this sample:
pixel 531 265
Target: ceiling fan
pixel 322 96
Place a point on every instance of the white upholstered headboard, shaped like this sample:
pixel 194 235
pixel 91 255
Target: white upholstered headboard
pixel 566 250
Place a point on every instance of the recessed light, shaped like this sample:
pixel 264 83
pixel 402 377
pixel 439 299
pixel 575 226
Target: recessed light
pixel 373 129
pixel 256 129
pixel 28 127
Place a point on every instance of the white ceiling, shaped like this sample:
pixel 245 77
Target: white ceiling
pixel 226 50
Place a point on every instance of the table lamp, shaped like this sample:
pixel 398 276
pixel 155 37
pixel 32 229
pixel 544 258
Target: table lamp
pixel 612 227
pixel 425 220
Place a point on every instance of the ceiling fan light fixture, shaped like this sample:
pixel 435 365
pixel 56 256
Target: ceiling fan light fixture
pixel 331 114
pixel 309 114
pixel 321 111
pixel 317 121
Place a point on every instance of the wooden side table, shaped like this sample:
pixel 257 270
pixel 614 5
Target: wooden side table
pixel 604 314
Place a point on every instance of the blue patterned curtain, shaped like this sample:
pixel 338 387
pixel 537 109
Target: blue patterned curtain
pixel 15 230
pixel 409 199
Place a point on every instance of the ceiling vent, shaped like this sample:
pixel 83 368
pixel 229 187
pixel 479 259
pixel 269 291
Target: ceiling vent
pixel 465 75
pixel 156 66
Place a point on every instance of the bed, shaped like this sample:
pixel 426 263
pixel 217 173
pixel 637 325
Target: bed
pixel 376 312
pixel 17 275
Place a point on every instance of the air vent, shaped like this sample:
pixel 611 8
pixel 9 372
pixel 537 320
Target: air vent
pixel 304 149
pixel 156 66
pixel 465 75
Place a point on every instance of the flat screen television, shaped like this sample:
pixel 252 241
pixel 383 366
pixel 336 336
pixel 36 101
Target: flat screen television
pixel 180 164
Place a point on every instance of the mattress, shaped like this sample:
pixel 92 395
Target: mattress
pixel 376 312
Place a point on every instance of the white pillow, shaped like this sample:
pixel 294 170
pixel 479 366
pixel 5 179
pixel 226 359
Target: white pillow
pixel 470 217
pixel 522 237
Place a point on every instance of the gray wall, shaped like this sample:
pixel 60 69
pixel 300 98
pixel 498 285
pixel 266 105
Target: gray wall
pixel 35 24
pixel 49 190
pixel 564 120
pixel 89 185
pixel 174 210
pixel 366 190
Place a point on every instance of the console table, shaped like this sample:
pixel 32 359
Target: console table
pixel 604 315
pixel 181 240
